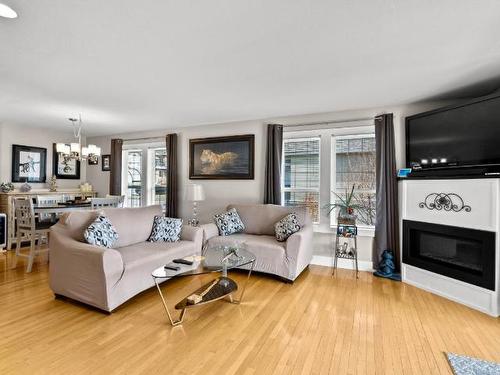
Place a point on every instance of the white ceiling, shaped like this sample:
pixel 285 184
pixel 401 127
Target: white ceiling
pixel 136 65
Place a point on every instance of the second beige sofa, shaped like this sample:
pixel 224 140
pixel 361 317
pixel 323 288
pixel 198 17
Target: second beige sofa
pixel 284 259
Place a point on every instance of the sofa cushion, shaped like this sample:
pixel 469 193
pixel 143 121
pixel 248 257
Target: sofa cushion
pixel 270 255
pixel 260 218
pixel 286 227
pixel 229 222
pixel 101 233
pixel 132 224
pixel 154 254
pixel 165 229
pixel 252 242
pixel 76 222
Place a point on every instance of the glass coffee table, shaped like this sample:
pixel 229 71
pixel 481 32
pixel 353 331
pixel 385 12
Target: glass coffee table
pixel 215 259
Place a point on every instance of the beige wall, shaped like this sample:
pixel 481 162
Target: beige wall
pixel 31 136
pixel 221 193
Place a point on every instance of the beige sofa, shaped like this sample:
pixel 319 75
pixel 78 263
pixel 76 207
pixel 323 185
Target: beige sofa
pixel 284 259
pixel 106 278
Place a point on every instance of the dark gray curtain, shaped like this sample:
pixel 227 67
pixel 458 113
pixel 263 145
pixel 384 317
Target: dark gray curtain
pixel 272 182
pixel 387 222
pixel 115 176
pixel 172 203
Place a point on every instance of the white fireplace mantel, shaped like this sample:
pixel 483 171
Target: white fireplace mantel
pixel 481 210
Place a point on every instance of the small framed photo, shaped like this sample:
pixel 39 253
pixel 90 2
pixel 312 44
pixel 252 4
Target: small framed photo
pixel 29 164
pixel 93 161
pixel 347 230
pixel 64 167
pixel 106 163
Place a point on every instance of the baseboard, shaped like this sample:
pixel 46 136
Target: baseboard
pixel 363 265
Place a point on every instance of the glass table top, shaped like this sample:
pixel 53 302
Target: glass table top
pixel 214 259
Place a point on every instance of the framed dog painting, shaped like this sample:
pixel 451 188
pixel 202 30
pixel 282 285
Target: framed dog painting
pixel 223 158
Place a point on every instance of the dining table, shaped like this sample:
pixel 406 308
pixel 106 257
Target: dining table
pixel 59 208
pixel 51 211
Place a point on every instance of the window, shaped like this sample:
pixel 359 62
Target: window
pixel 355 166
pixel 319 163
pixel 134 178
pixel 144 180
pixel 158 182
pixel 301 177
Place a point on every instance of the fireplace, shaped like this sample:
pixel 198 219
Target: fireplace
pixel 463 254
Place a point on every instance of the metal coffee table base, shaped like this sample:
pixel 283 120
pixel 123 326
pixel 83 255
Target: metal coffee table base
pixel 217 295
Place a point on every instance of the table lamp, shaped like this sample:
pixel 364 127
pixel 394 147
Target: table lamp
pixel 195 194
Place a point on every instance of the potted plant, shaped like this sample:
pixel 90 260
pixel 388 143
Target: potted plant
pixel 346 205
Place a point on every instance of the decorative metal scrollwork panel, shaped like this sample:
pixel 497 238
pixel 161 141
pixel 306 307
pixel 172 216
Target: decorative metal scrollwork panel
pixel 444 202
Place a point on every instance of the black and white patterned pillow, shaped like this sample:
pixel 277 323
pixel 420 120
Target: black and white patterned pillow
pixel 166 229
pixel 286 227
pixel 101 233
pixel 229 222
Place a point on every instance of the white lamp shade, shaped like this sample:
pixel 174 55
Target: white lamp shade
pixel 62 148
pixel 75 147
pixel 195 193
pixel 85 151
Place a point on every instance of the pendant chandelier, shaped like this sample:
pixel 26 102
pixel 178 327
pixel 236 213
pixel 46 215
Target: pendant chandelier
pixel 75 151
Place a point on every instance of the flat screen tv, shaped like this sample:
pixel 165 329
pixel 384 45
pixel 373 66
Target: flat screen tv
pixel 461 136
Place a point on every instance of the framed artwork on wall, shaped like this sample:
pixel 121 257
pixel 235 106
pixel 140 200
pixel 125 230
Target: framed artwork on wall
pixel 64 167
pixel 93 161
pixel 222 158
pixel 106 163
pixel 29 164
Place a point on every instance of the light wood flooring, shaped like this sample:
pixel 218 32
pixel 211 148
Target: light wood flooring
pixel 318 325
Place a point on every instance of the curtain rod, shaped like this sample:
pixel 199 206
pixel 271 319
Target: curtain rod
pixel 143 139
pixel 335 121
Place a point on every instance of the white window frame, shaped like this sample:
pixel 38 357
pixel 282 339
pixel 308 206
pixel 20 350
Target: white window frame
pixel 147 168
pixel 151 173
pixel 369 132
pixel 285 189
pixel 327 136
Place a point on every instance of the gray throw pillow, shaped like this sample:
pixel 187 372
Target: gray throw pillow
pixel 101 233
pixel 286 227
pixel 165 229
pixel 229 222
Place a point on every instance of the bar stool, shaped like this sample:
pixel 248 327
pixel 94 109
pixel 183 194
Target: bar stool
pixel 30 229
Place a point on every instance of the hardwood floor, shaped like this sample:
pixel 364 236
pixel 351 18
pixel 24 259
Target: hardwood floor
pixel 318 325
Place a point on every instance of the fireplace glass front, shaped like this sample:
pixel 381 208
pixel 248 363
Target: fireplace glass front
pixel 461 253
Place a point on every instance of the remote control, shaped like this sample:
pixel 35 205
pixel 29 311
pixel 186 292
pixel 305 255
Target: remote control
pixel 183 261
pixel 172 268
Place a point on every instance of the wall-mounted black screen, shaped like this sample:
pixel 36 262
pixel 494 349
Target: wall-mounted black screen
pixel 463 135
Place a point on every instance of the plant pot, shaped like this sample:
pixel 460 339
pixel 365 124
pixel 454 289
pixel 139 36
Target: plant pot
pixel 346 220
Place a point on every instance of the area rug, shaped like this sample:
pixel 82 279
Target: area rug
pixel 463 365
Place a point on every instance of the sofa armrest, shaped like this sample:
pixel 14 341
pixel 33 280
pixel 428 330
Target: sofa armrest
pixel 195 234
pixel 299 250
pixel 82 271
pixel 209 231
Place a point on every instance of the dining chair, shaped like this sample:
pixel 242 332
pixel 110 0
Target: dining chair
pixel 121 199
pixel 104 202
pixel 31 229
